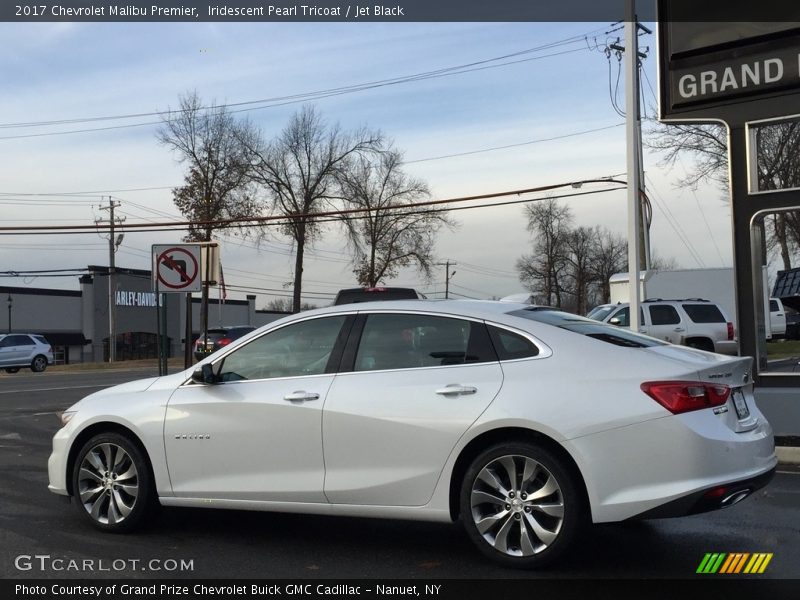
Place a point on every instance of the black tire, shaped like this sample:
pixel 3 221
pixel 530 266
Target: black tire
pixel 114 496
pixel 39 363
pixel 528 511
pixel 12 369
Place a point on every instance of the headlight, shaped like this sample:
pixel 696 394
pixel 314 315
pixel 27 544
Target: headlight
pixel 67 415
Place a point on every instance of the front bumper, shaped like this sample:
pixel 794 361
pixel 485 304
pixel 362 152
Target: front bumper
pixel 57 463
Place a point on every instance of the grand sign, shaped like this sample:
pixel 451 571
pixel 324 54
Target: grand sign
pixel 709 66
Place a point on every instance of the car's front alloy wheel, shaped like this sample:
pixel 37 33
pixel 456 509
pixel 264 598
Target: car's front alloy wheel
pixel 520 505
pixel 112 483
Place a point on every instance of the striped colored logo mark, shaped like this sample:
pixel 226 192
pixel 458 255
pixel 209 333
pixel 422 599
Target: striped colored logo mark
pixel 734 563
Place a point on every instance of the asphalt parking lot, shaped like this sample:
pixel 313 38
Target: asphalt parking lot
pixel 233 544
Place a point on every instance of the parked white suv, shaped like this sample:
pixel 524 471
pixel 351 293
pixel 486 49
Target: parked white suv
pixel 692 322
pixel 18 350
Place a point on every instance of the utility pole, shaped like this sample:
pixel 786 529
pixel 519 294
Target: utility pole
pixel 644 224
pixel 633 134
pixel 113 244
pixel 447 276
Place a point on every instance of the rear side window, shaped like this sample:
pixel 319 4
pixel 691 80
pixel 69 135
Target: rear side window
pixel 41 339
pixel 704 313
pixel 511 346
pixel 663 314
pixel 408 341
pixel 773 306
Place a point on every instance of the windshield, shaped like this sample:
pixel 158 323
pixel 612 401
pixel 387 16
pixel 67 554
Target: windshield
pixel 588 327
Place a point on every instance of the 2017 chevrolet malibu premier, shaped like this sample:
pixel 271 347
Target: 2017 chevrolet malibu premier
pixel 522 423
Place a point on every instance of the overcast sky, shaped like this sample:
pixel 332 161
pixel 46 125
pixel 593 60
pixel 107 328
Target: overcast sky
pixel 80 70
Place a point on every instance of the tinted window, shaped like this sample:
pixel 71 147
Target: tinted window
pixel 41 340
pixel 407 341
pixel 19 340
pixel 510 346
pixel 663 314
pixel 295 350
pixel 600 331
pixel 773 306
pixel 704 313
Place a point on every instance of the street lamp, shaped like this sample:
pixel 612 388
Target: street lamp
pixel 10 304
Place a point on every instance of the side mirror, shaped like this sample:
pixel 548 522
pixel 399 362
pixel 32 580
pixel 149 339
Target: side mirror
pixel 615 321
pixel 205 374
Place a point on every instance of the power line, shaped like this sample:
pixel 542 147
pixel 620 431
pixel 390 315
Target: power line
pixel 297 98
pixel 317 216
pixel 517 145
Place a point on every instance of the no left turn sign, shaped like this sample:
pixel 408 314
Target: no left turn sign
pixel 177 268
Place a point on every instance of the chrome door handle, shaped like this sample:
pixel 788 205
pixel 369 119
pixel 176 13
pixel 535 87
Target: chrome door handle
pixel 456 390
pixel 679 329
pixel 301 396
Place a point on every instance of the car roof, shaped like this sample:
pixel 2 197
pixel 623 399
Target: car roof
pixel 485 309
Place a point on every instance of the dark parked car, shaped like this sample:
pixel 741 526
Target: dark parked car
pixel 353 295
pixel 218 338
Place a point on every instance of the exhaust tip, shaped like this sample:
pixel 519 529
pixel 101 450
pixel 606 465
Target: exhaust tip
pixel 736 497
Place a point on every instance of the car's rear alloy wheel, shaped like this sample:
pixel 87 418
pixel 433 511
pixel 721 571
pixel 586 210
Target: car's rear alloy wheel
pixel 111 482
pixel 38 364
pixel 520 505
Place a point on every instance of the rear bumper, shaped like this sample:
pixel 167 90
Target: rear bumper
pixel 713 498
pixel 630 471
pixel 730 347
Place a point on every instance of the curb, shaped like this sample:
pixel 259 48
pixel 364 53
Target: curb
pixel 788 455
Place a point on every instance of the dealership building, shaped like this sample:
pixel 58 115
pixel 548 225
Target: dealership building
pixel 76 323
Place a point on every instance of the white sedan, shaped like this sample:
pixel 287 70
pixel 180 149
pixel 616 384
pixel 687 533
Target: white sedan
pixel 521 422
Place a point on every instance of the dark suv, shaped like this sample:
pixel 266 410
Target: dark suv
pixel 353 295
pixel 218 338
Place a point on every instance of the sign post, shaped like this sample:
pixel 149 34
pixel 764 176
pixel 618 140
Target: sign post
pixel 176 269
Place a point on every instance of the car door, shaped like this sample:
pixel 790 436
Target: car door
pixel 15 349
pixel 665 323
pixel 416 382
pixel 256 434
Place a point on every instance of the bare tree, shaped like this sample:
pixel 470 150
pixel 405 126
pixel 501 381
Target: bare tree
pixel 706 144
pixel 580 245
pixel 299 170
pixel 777 149
pixel 387 236
pixel 542 271
pixel 209 141
pixel 610 256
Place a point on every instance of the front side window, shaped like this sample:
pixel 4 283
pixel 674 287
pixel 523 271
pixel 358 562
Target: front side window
pixel 296 350
pixel 408 341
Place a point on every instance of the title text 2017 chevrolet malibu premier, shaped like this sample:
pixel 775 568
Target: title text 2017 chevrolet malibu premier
pixel 522 423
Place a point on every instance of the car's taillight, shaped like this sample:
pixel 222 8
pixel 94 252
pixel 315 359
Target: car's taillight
pixel 224 341
pixel 730 331
pixel 684 396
